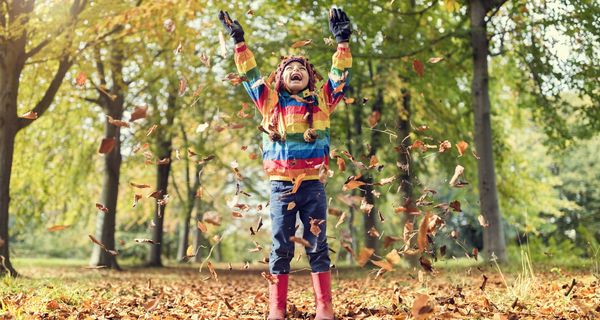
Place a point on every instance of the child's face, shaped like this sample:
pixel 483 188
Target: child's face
pixel 295 77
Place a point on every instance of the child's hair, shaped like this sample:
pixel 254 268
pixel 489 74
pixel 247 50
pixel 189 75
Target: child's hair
pixel 312 74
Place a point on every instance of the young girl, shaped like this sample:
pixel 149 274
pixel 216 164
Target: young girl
pixel 296 146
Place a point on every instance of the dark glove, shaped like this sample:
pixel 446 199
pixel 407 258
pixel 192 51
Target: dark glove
pixel 232 27
pixel 339 25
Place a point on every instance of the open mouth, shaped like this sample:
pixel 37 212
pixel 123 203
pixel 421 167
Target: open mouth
pixel 296 77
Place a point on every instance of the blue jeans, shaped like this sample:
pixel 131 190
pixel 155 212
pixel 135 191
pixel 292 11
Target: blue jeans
pixel 310 203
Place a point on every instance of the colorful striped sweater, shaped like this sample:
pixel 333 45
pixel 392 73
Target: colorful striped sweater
pixel 286 160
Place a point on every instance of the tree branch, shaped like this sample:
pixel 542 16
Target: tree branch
pixel 44 103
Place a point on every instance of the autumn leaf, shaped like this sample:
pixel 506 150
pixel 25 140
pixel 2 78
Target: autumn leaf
pixel 461 146
pixel 151 130
pixel 182 87
pixel 341 220
pixel 201 226
pixel 374 118
pixel 420 309
pixel 139 186
pixel 451 5
pixel 373 233
pixel 301 43
pixel 445 145
pixel 136 198
pixel 234 78
pixel 389 240
pixel 169 25
pixel 301 241
pixel 81 79
pixel 329 41
pixel 434 60
pixel 418 67
pixel 455 205
pixel 222 45
pixel 107 145
pixel 116 122
pixel 150 241
pixel 384 264
pixel 458 171
pixel 56 228
pixel 422 241
pixel 408 229
pixel 341 163
pixel 29 115
pixel 352 184
pixel 364 256
pixel 138 113
pixel 190 252
pixel 393 257
pixel 314 226
pixel 482 221
pixel 101 207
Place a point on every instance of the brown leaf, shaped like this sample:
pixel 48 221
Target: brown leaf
pixel 182 87
pixel 138 113
pixel 314 226
pixel 301 241
pixel 107 145
pixel 150 241
pixel 117 123
pixel 139 186
pixel 364 256
pixel 81 79
pixel 201 226
pixel 297 182
pixel 445 145
pixel 384 264
pixel 352 184
pixel 30 115
pixel 418 67
pixel 136 198
pixel 205 59
pixel 455 205
pixel 389 240
pixel 422 241
pixel 458 171
pixel 461 146
pixel 341 220
pixel 420 309
pixel 482 221
pixel 291 205
pixel 56 228
pixel 373 233
pixel 408 229
pixel 151 130
pixel 101 207
pixel 374 118
pixel 425 264
pixel 234 78
pixel 222 45
pixel 153 303
pixel 434 60
pixel 301 43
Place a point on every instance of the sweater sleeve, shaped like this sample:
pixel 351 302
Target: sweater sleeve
pixel 246 66
pixel 339 77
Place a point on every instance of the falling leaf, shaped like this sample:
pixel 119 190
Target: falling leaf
pixel 150 241
pixel 482 221
pixel 393 257
pixel 389 240
pixel 201 226
pixel 366 207
pixel 163 161
pixel 190 251
pixel 329 41
pixel 364 256
pixel 56 228
pixel 153 304
pixel 445 145
pixel 138 113
pixel 461 146
pixel 422 241
pixel 222 45
pixel 101 207
pixel 434 60
pixel 117 122
pixel 374 118
pixel 29 115
pixel 425 264
pixel 373 233
pixel 107 145
pixel 455 205
pixel 451 5
pixel 151 130
pixel 136 198
pixel 81 79
pixel 301 241
pixel 139 186
pixel 341 220
pixel 314 226
pixel 408 229
pixel 384 264
pixel 205 59
pixel 349 100
pixel 297 182
pixel 352 184
pixel 301 43
pixel 341 163
pixel 291 205
pixel 169 25
pixel 458 171
pixel 182 87
pixel 250 12
pixel 201 128
pixel 418 67
pixel 234 78
pixel 236 214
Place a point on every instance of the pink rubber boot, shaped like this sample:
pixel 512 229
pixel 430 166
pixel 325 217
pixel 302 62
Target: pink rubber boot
pixel 322 288
pixel 278 297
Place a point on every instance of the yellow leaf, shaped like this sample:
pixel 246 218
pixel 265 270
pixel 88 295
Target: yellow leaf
pixel 451 5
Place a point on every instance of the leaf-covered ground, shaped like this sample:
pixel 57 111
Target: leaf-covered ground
pixel 185 293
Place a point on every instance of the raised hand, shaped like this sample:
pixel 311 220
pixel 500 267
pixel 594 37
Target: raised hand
pixel 339 25
pixel 232 27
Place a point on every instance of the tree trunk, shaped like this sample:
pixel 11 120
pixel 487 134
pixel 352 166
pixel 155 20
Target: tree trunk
pixel 164 148
pixel 370 220
pixel 7 142
pixel 106 222
pixel 493 236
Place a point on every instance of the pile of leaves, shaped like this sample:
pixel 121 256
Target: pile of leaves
pixel 241 293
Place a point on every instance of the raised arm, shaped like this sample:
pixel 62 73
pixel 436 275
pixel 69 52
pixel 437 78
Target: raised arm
pixel 339 76
pixel 245 62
